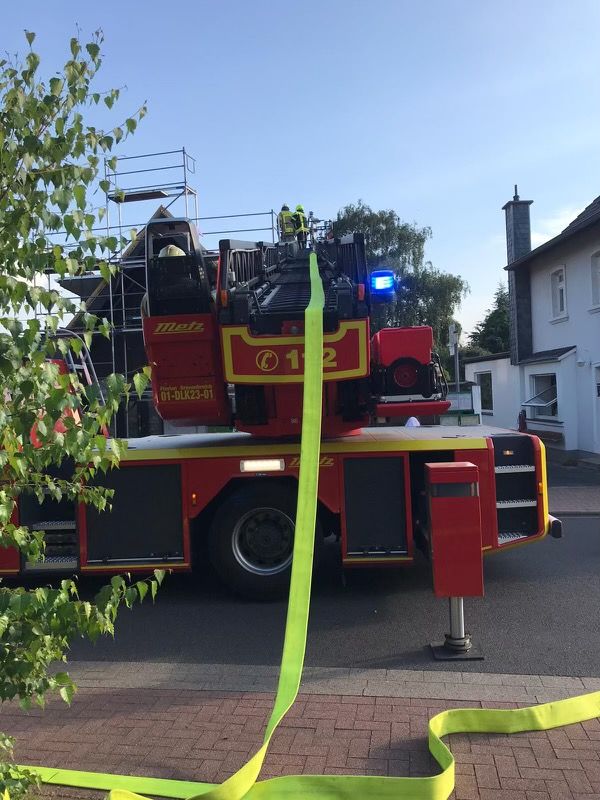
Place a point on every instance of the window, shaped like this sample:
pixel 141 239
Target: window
pixel 596 279
pixel 544 402
pixel 484 380
pixel 559 293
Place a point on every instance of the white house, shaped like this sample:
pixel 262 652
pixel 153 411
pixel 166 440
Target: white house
pixel 552 372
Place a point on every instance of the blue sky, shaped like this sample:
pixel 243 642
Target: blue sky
pixel 432 108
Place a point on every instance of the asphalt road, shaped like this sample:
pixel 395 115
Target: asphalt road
pixel 540 616
pixel 559 475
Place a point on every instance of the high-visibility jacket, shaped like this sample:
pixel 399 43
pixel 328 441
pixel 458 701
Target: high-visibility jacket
pixel 301 222
pixel 286 223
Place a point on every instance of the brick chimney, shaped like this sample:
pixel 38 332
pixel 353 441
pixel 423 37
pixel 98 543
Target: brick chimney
pixel 518 228
pixel 518 244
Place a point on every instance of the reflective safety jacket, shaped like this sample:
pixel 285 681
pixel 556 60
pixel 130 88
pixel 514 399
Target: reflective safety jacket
pixel 286 224
pixel 301 222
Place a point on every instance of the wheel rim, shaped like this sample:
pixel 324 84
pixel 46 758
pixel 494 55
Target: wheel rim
pixel 263 541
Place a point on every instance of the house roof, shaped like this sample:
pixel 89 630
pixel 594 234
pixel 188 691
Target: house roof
pixel 588 217
pixel 489 357
pixel 547 355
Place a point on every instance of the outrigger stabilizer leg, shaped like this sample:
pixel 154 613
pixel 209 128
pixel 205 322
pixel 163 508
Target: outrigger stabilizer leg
pixel 457 645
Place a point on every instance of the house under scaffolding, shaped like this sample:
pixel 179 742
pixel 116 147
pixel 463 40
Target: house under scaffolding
pixel 120 300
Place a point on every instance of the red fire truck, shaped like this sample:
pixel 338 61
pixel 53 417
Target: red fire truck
pixel 225 341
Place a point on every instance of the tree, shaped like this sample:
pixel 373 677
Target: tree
pixel 425 295
pixel 49 162
pixel 491 335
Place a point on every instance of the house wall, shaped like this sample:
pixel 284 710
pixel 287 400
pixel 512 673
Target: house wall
pixel 505 391
pixel 580 326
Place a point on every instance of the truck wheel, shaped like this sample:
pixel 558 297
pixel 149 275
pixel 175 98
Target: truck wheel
pixel 251 540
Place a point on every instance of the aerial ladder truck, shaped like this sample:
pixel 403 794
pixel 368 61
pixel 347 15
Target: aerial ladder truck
pixel 224 338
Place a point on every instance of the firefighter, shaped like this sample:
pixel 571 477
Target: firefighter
pixel 301 226
pixel 285 221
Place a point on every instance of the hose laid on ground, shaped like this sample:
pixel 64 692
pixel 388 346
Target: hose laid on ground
pixel 243 784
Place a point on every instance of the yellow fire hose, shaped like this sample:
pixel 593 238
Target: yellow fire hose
pixel 244 784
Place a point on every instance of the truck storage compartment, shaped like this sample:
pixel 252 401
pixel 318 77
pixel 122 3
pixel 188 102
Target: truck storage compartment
pixel 57 520
pixel 375 506
pixel 516 488
pixel 145 523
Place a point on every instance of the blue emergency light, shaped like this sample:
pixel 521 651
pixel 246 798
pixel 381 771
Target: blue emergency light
pixel 382 284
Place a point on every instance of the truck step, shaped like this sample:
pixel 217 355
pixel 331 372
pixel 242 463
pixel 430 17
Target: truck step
pixel 54 525
pixel 508 537
pixel 514 468
pixel 502 504
pixel 64 563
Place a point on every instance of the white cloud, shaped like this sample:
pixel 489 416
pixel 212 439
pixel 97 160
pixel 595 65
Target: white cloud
pixel 550 226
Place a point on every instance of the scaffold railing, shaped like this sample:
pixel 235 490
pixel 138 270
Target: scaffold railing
pixel 129 181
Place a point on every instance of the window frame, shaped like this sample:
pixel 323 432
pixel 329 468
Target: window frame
pixel 555 288
pixel 477 375
pixel 538 409
pixel 595 279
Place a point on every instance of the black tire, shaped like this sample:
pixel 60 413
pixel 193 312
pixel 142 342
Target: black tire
pixel 251 539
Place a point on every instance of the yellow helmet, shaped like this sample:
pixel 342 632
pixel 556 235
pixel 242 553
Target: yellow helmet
pixel 300 208
pixel 171 250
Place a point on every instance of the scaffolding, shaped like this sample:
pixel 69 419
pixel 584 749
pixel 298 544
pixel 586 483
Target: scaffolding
pixel 129 181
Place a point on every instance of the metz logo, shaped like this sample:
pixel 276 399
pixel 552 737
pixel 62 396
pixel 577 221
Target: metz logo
pixel 179 327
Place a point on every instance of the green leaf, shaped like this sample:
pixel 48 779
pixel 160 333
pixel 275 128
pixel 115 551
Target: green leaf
pixel 131 596
pixel 142 588
pixel 67 692
pixel 140 381
pixel 79 193
pixel 56 85
pixel 104 270
pixel 30 36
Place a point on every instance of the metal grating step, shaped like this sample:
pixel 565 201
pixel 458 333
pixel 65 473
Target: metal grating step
pixel 514 468
pixel 501 504
pixel 53 525
pixel 506 537
pixel 52 564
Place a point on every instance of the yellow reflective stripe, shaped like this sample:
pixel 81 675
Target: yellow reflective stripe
pixel 347 446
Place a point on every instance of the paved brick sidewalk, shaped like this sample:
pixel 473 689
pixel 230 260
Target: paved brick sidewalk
pixel 574 500
pixel 199 734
